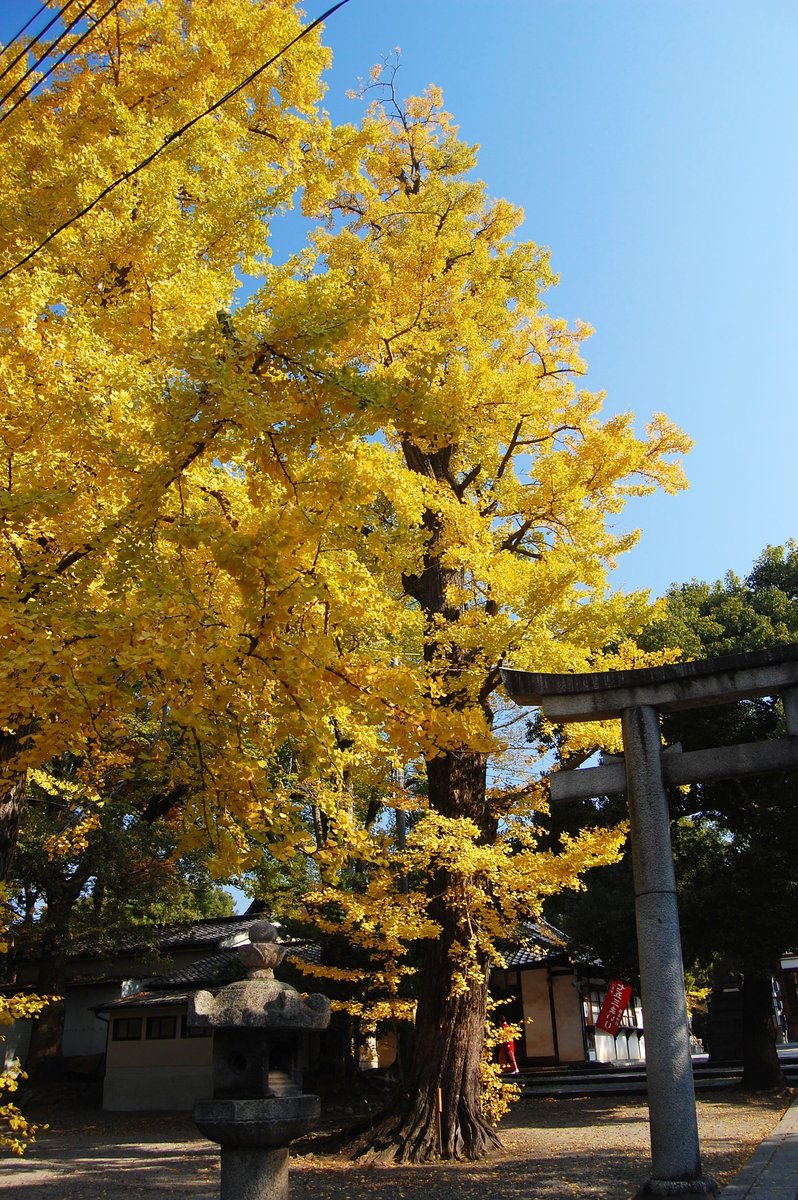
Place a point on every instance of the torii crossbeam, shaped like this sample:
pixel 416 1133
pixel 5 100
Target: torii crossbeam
pixel 637 697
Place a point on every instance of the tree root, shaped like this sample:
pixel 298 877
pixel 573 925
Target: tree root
pixel 403 1134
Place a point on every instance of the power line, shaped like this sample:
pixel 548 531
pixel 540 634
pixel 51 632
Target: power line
pixel 169 139
pixel 58 61
pixel 29 21
pixel 47 53
pixel 36 37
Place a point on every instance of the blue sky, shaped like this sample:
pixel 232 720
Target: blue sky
pixel 652 145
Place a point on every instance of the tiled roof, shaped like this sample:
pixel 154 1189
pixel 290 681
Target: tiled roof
pixel 184 936
pixel 144 940
pixel 166 938
pixel 211 939
pixel 536 942
pixel 529 956
pixel 309 952
pixel 144 999
pixel 211 971
pixel 545 933
pixel 203 933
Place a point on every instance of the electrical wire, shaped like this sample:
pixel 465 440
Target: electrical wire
pixel 168 140
pixel 48 52
pixel 4 116
pixel 30 21
pixel 36 37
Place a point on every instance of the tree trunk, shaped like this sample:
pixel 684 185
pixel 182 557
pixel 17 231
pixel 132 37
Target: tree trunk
pixel 45 1053
pixel 44 1056
pixel 761 1067
pixel 438 1113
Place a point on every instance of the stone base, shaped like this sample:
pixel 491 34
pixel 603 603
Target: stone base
pixel 703 1186
pixel 254 1174
pixel 273 1121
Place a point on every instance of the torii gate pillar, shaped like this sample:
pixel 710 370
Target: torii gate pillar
pixel 675 1152
pixel 637 697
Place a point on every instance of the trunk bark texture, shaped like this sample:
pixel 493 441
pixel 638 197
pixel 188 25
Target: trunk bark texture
pixel 45 1053
pixel 44 1056
pixel 761 1067
pixel 438 1113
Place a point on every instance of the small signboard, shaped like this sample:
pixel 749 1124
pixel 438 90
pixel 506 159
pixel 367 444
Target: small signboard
pixel 616 1000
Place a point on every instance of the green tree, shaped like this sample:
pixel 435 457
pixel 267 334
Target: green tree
pixel 755 915
pixel 88 866
pixel 735 840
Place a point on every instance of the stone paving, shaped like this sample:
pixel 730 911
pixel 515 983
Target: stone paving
pixel 772 1171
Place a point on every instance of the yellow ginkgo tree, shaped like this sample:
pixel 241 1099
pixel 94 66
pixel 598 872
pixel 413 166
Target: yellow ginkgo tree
pixel 102 418
pixel 455 503
pixel 320 521
pixel 17 1132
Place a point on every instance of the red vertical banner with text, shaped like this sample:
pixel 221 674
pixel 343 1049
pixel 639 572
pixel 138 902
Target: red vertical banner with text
pixel 616 1000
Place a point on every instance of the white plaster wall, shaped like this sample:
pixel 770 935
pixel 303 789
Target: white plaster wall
pixel 537 1015
pixel 568 1008
pixel 157 1089
pixel 160 1075
pixel 168 1053
pixel 84 1033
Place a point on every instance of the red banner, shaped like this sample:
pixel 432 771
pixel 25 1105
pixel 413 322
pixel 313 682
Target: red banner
pixel 616 1000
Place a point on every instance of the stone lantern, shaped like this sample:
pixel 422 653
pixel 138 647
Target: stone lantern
pixel 258 1107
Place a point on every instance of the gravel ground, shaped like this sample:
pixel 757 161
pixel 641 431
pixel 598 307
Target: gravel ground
pixel 595 1148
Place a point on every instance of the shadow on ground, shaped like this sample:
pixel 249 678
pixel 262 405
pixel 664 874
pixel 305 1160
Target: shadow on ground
pixel 596 1148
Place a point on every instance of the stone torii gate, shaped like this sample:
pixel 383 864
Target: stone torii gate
pixel 637 697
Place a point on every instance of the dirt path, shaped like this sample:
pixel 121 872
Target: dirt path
pixel 596 1148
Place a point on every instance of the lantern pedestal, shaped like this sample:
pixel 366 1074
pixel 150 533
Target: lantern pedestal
pixel 258 1106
